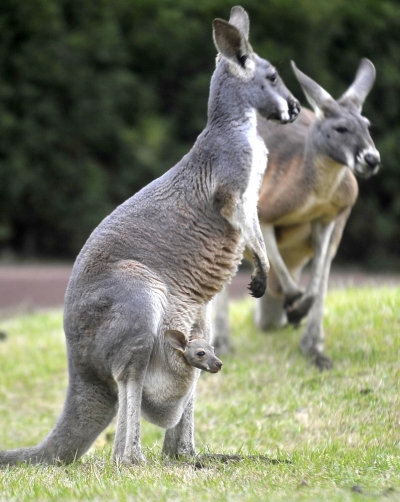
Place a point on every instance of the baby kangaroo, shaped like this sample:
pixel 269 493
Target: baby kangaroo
pixel 155 263
pixel 197 352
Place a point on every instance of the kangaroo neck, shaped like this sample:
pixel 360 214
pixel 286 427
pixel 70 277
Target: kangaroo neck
pixel 239 115
pixel 324 171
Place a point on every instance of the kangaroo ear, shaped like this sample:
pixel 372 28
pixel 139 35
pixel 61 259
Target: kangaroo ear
pixel 315 94
pixel 230 42
pixel 176 339
pixel 355 95
pixel 240 19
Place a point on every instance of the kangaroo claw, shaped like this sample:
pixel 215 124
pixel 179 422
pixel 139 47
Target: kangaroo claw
pixel 257 286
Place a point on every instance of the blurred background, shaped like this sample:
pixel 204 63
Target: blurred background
pixel 99 97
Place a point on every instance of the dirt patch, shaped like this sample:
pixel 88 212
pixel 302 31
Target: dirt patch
pixel 28 287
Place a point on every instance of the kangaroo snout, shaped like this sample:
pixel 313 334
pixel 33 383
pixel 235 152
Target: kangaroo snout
pixel 286 111
pixel 294 109
pixel 215 366
pixel 368 163
pixel 373 160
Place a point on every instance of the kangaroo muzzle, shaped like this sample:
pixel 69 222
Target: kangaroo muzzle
pixel 286 111
pixel 367 163
pixel 294 109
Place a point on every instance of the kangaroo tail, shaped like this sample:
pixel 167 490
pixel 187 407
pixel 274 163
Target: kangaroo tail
pixel 89 407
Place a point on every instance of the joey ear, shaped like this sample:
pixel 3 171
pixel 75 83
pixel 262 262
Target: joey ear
pixel 176 339
pixel 230 42
pixel 315 94
pixel 240 19
pixel 360 88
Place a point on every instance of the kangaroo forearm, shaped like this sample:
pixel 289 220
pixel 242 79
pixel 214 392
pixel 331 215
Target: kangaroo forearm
pixel 322 234
pixel 288 285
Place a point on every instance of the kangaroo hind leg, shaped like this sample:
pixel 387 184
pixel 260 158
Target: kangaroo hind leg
pixel 90 406
pixel 135 339
pixel 179 440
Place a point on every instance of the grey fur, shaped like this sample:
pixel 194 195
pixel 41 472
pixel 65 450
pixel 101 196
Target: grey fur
pixel 307 194
pixel 154 265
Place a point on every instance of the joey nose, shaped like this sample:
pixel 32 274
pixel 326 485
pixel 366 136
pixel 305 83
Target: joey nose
pixel 218 365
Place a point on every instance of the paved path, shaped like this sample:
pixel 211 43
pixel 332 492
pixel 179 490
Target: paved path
pixel 27 287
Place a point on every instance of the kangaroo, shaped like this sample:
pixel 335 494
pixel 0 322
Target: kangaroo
pixel 154 264
pixel 305 200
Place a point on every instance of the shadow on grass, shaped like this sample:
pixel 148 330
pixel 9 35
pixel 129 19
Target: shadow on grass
pixel 209 460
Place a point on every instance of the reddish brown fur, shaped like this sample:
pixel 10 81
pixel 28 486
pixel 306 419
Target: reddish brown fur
pixel 293 194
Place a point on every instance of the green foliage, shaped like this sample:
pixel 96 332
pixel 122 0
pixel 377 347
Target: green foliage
pixel 97 98
pixel 334 434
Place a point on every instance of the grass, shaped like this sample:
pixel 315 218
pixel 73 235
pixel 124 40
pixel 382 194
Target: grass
pixel 332 435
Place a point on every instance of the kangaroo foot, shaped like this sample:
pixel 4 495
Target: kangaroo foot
pixel 299 309
pixel 133 459
pixel 258 285
pixel 320 360
pixel 181 456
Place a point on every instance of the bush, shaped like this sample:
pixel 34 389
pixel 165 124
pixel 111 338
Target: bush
pixel 97 98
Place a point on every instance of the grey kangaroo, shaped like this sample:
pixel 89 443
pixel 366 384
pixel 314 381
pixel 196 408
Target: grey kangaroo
pixel 155 263
pixel 305 200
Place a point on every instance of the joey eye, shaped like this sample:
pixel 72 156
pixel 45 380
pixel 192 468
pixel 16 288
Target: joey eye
pixel 201 353
pixel 341 129
pixel 272 78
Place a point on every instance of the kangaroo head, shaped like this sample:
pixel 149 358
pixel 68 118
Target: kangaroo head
pixel 197 352
pixel 340 131
pixel 260 86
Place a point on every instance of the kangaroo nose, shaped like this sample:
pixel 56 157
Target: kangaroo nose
pixel 218 364
pixel 294 109
pixel 372 160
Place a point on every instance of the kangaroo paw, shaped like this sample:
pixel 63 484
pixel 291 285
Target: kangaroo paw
pixel 322 362
pixel 291 298
pixel 299 309
pixel 258 285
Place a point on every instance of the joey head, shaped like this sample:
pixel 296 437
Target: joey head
pixel 196 352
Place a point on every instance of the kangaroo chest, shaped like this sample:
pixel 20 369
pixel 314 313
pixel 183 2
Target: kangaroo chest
pixel 313 209
pixel 258 166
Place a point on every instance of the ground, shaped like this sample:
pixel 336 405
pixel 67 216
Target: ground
pixel 28 287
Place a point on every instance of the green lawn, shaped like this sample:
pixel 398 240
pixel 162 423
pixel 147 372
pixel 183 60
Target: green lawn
pixel 331 436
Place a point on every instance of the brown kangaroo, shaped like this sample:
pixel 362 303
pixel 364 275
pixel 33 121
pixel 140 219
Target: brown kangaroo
pixel 305 200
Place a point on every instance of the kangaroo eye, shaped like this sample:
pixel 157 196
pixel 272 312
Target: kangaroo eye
pixel 201 353
pixel 341 129
pixel 272 78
